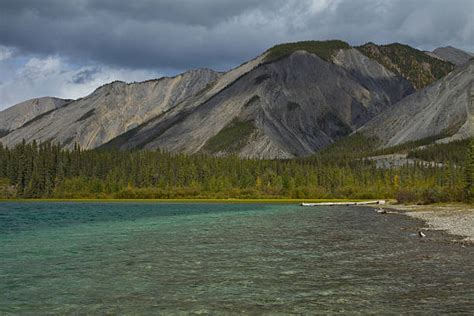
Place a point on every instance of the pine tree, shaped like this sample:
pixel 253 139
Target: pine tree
pixel 469 172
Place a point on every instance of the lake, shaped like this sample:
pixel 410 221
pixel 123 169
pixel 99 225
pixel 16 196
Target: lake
pixel 152 258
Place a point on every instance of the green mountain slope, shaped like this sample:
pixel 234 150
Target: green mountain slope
pixel 324 49
pixel 412 64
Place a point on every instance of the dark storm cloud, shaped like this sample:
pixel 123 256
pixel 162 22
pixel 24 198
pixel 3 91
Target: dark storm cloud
pixel 204 13
pixel 162 34
pixel 425 24
pixel 180 34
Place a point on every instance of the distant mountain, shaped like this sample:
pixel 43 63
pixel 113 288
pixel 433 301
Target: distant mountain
pixel 442 111
pixel 453 55
pixel 111 110
pixel 291 101
pixel 17 115
pixel 412 64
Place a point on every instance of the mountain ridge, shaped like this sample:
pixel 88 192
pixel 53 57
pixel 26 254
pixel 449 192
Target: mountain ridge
pixel 454 55
pixel 443 110
pixel 15 117
pixel 116 107
pixel 171 137
pixel 412 64
pixel 292 100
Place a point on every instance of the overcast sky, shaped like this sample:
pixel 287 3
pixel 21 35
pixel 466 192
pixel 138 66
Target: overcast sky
pixel 67 48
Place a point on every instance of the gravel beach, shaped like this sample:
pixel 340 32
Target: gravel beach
pixel 454 219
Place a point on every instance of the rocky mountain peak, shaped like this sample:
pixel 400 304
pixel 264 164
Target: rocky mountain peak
pixel 454 55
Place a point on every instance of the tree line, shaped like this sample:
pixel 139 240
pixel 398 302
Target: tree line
pixel 32 170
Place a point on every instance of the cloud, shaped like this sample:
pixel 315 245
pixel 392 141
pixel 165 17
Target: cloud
pixel 85 75
pixel 5 53
pixel 103 37
pixel 53 76
pixel 173 34
pixel 180 34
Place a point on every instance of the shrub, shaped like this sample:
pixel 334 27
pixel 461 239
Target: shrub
pixel 406 196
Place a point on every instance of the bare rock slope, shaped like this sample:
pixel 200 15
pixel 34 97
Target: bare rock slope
pixel 21 113
pixel 111 110
pixel 289 107
pixel 443 111
pixel 453 55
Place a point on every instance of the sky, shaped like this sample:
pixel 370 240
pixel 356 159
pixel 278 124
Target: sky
pixel 69 48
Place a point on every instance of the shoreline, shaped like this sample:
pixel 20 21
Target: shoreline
pixel 454 219
pixel 185 200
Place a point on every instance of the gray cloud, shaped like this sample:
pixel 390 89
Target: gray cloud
pixel 53 76
pixel 180 34
pixel 169 36
pixel 85 75
pixel 165 34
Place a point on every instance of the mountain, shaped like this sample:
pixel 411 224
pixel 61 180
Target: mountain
pixel 17 115
pixel 291 101
pixel 414 65
pixel 111 110
pixel 288 106
pixel 453 55
pixel 442 111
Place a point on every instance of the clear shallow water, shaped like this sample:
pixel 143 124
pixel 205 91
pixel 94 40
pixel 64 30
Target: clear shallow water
pixel 96 258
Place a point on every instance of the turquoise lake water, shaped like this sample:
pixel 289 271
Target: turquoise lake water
pixel 150 258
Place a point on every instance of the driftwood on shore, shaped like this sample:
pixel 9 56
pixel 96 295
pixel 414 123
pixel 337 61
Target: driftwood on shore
pixel 343 203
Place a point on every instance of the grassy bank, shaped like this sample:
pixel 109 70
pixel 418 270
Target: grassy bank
pixel 274 201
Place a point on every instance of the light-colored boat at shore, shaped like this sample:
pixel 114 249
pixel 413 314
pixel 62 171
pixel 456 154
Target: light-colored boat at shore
pixel 380 202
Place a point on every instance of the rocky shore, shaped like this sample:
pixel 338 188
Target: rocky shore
pixel 456 219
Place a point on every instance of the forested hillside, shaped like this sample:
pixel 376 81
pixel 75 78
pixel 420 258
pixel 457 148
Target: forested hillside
pixel 324 49
pixel 47 171
pixel 412 64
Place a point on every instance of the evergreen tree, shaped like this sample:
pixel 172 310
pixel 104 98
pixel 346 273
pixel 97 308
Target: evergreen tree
pixel 46 170
pixel 469 172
